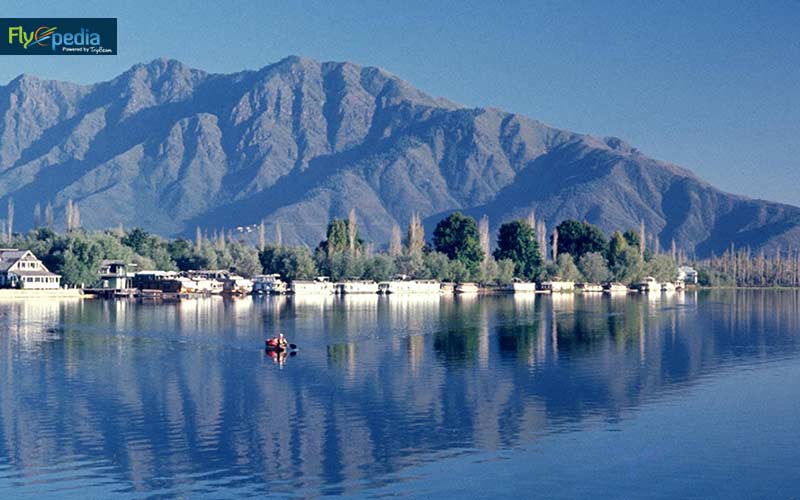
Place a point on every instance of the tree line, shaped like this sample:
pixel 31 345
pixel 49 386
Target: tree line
pixel 744 268
pixel 459 250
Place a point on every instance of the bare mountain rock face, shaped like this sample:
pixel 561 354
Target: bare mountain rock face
pixel 169 148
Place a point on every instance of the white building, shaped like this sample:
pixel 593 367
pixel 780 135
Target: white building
pixel 688 275
pixel 21 269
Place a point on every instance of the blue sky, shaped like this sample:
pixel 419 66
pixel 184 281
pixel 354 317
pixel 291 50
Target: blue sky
pixel 711 86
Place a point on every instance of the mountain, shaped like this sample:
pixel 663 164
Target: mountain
pixel 170 148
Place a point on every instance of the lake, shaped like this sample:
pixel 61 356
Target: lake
pixel 690 395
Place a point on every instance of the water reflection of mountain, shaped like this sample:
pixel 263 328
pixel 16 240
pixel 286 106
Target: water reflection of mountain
pixel 178 397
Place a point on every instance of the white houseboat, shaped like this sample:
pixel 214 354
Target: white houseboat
pixel 557 286
pixel 410 287
pixel 649 284
pixel 667 287
pixel 269 284
pixel 519 286
pixel 589 287
pixel 356 286
pixel 614 287
pixel 466 288
pixel 319 286
pixel 687 275
pixel 237 285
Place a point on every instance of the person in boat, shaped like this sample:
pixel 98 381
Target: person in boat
pixel 278 342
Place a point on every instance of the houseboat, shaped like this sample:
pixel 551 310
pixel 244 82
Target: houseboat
pixel 319 286
pixel 164 281
pixel 356 286
pixel 447 288
pixel 589 287
pixel 208 282
pixel 465 288
pixel 688 275
pixel 614 287
pixel 519 286
pixel 649 284
pixel 237 285
pixel 667 286
pixel 409 287
pixel 269 284
pixel 557 286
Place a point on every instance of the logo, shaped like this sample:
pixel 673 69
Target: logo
pixel 59 36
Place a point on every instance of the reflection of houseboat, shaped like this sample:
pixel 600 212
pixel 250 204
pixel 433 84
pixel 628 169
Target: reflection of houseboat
pixel 649 284
pixel 519 286
pixel 466 288
pixel 356 286
pixel 589 287
pixel 269 284
pixel 557 286
pixel 614 287
pixel 320 286
pixel 409 286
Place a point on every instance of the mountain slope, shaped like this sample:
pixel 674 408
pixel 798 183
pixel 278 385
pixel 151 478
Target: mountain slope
pixel 170 148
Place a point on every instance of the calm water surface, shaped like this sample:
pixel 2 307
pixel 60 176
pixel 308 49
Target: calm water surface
pixel 691 395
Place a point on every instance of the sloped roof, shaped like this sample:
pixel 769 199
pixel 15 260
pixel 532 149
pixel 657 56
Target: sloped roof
pixel 34 273
pixel 8 257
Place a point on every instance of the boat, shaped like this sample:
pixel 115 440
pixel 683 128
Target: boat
pixel 237 285
pixel 648 284
pixel 399 286
pixel 278 344
pixel 667 287
pixel 466 288
pixel 319 286
pixel 557 286
pixel 519 286
pixel 589 287
pixel 614 287
pixel 269 284
pixel 357 286
pixel 447 288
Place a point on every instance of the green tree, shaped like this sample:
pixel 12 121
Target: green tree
pixel 662 268
pixel 436 266
pixel 567 270
pixel 337 238
pixel 380 267
pixel 616 246
pixel 458 271
pixel 81 260
pixel 457 237
pixel 628 266
pixel 517 241
pixel 593 267
pixel 505 272
pixel 577 238
pixel 632 238
pixel 290 263
pixel 410 264
pixel 244 258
